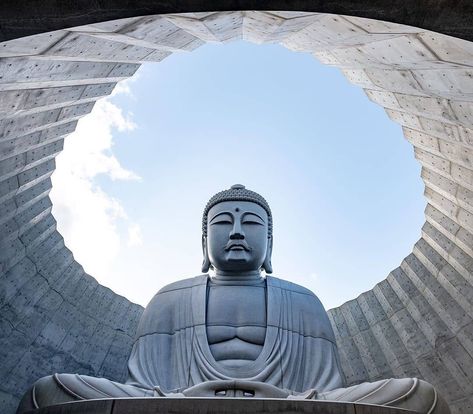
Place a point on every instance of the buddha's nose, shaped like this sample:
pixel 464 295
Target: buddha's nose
pixel 237 232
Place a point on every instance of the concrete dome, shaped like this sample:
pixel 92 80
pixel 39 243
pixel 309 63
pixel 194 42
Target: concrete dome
pixel 418 321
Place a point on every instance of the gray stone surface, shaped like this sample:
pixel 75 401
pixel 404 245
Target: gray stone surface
pixel 215 406
pixel 417 321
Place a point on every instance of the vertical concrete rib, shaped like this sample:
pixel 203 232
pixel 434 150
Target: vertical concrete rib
pixel 387 338
pixel 352 363
pixel 371 354
pixel 421 332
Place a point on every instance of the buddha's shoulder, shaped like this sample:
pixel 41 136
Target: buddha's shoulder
pixel 307 306
pixel 184 284
pixel 306 295
pixel 287 285
pixel 163 313
pixel 169 294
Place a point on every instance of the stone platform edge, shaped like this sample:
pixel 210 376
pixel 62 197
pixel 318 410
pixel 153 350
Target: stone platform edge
pixel 214 406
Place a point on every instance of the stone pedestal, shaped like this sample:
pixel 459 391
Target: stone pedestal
pixel 213 406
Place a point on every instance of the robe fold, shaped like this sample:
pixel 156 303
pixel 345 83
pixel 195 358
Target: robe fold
pixel 171 349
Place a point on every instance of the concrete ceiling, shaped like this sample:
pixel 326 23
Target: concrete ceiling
pixel 24 18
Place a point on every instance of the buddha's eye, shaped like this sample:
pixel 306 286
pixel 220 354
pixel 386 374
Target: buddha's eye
pixel 222 219
pixel 252 219
pixel 251 222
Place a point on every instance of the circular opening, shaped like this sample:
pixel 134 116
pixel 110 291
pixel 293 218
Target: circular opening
pixel 342 181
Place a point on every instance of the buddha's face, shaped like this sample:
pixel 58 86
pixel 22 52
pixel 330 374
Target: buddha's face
pixel 237 236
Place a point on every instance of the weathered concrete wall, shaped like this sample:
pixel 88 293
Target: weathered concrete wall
pixel 56 318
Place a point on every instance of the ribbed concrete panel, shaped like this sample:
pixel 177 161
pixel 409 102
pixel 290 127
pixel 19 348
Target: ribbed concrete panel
pixel 55 317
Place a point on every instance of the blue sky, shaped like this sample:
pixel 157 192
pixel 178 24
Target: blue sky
pixel 343 184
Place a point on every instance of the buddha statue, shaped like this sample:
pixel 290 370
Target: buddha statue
pixel 236 333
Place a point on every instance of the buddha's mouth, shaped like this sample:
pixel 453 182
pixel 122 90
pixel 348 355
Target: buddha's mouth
pixel 237 245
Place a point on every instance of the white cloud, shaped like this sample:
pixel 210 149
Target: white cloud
pixel 88 150
pixel 124 87
pixel 88 218
pixel 135 237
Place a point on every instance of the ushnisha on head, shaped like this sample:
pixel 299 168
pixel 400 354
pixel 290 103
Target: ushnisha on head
pixel 237 230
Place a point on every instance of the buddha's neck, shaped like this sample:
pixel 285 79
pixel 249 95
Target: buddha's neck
pixel 246 278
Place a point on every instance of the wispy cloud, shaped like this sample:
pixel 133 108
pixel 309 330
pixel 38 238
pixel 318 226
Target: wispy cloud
pixel 91 220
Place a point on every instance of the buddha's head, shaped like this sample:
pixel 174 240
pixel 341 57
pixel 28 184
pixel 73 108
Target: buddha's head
pixel 237 232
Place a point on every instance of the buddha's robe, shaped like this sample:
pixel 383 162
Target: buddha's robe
pixel 172 350
pixel 171 354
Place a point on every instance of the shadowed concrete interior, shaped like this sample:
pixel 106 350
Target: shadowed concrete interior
pixel 56 318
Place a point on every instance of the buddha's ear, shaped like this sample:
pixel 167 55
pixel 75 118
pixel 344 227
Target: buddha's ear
pixel 267 266
pixel 206 262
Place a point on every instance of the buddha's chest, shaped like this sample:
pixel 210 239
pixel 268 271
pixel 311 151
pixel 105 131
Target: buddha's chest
pixel 236 322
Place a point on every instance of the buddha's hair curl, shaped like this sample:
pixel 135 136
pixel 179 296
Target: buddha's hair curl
pixel 237 192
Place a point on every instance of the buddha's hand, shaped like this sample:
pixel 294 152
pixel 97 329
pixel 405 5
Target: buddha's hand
pixel 310 394
pixel 158 392
pixel 236 388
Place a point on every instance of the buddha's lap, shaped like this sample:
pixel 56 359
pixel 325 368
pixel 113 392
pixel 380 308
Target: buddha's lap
pixel 409 393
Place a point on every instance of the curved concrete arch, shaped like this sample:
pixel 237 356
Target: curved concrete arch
pixel 54 317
